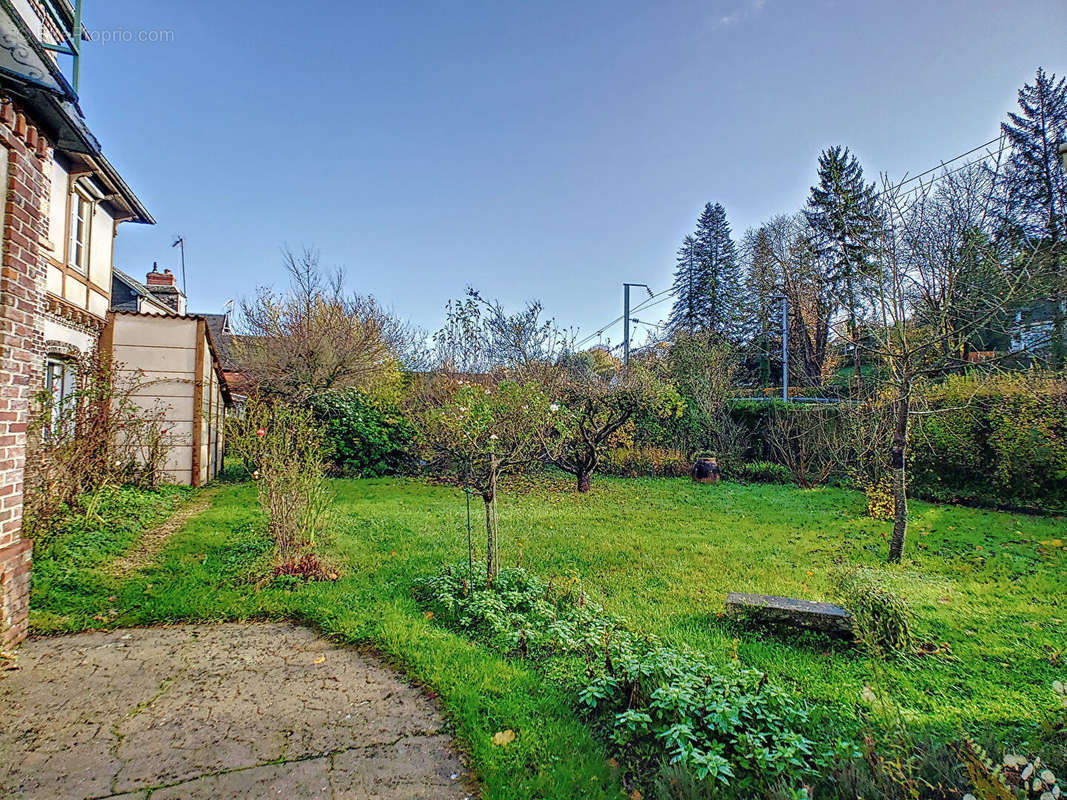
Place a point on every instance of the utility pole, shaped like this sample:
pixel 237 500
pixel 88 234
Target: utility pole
pixel 785 347
pixel 626 320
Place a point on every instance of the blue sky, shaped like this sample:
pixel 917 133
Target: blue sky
pixel 543 150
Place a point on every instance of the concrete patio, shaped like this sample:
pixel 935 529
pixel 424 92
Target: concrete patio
pixel 212 711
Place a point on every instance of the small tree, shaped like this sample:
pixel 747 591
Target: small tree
pixel 480 336
pixel 597 400
pixel 913 350
pixel 702 367
pixel 482 431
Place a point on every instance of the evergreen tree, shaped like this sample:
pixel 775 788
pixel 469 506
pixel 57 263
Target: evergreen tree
pixel 1035 188
pixel 709 291
pixel 761 311
pixel 845 222
pixel 685 313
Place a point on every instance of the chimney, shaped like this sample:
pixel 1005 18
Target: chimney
pixel 164 286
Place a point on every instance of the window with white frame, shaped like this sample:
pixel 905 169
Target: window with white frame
pixel 61 382
pixel 81 218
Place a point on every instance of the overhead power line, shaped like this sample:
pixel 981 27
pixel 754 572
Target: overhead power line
pixel 670 292
pixel 944 164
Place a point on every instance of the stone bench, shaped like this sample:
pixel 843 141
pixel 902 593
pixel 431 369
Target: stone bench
pixel 789 611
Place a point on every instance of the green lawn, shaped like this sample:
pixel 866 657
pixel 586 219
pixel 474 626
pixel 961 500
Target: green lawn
pixel 660 553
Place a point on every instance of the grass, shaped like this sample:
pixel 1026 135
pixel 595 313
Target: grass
pixel 662 554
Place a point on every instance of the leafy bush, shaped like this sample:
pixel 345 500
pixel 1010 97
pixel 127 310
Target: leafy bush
pixel 723 724
pixel 283 449
pixel 999 439
pixel 517 614
pixel 367 437
pixel 645 462
pixel 764 472
pixel 880 503
pixel 880 618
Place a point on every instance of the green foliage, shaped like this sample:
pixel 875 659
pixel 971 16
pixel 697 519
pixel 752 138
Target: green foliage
pixel 96 528
pixel 367 436
pixel 645 462
pixel 518 614
pixel 702 366
pixel 725 724
pixel 881 618
pixel 996 439
pixel 763 472
pixel 662 553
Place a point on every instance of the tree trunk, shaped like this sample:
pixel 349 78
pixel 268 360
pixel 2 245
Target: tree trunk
pixel 1058 356
pixel 492 555
pixel 900 486
pixel 854 333
pixel 490 550
pixel 585 480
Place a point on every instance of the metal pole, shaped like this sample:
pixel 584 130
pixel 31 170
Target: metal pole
pixel 626 319
pixel 785 349
pixel 76 44
pixel 180 242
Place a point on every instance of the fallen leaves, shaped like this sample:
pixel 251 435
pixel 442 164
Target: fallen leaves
pixel 504 738
pixel 319 660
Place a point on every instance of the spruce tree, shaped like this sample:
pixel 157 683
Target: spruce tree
pixel 685 315
pixel 1035 188
pixel 708 279
pixel 842 212
pixel 761 307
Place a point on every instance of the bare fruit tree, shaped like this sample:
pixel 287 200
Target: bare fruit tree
pixel 479 431
pixel 942 282
pixel 596 400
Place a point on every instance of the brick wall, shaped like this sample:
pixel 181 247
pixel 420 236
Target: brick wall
pixel 22 288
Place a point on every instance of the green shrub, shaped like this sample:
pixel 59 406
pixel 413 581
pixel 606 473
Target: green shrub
pixel 764 472
pixel 997 439
pixel 644 462
pixel 881 619
pixel 368 437
pixel 724 724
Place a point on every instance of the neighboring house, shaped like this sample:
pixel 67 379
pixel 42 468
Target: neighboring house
pixel 175 365
pixel 220 326
pixel 129 294
pixel 174 358
pixel 64 203
pixel 1031 329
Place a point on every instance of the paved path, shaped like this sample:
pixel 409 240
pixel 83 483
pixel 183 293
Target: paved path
pixel 216 711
